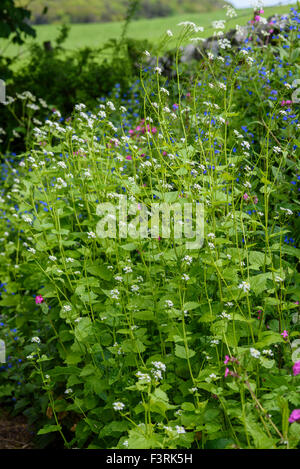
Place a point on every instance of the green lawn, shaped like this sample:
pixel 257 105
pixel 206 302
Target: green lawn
pixel 96 34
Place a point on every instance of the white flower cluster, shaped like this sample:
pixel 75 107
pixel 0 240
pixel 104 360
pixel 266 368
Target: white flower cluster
pixel 118 405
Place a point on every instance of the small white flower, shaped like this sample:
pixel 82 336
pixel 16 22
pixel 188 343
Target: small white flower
pixel 118 405
pixel 255 353
pixel 245 144
pixel 185 277
pixel 163 90
pixel 268 352
pixel 159 365
pixel 27 219
pixel 168 429
pixel 278 279
pixel 188 259
pixel 179 429
pixel 287 210
pixel 37 340
pixel 225 315
pixel 219 24
pixel 115 294
pixel 143 377
pixel 169 303
pixel 245 286
pixel 111 105
pixel 214 342
pixel 192 390
pixel 157 374
pixel 118 278
pixel 91 234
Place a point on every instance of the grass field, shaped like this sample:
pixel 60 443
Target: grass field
pixel 96 34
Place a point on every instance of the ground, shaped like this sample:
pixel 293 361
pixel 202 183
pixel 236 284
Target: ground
pixel 15 433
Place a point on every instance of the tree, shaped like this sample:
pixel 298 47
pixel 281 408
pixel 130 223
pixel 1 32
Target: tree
pixel 14 21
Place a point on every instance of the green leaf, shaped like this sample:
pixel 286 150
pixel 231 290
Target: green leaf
pixel 99 271
pixel 181 352
pixel 258 258
pixel 259 282
pixel 258 434
pixel 49 429
pixel 190 305
pixel 129 247
pixel 268 338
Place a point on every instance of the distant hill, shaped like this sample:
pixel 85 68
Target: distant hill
pixel 88 11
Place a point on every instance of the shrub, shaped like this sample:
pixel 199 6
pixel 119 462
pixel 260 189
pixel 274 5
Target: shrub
pixel 61 79
pixel 140 342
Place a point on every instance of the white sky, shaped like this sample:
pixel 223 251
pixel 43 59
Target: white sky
pixel 249 3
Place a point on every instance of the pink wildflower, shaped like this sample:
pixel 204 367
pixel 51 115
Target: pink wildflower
pixel 245 196
pixel 226 372
pixel 295 416
pixel 285 334
pixel 296 368
pixel 39 299
pixel 128 157
pixel 258 312
pixel 227 359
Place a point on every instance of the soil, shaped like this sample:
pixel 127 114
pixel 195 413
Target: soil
pixel 15 432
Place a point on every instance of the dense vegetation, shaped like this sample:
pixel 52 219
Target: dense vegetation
pixel 76 11
pixel 144 342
